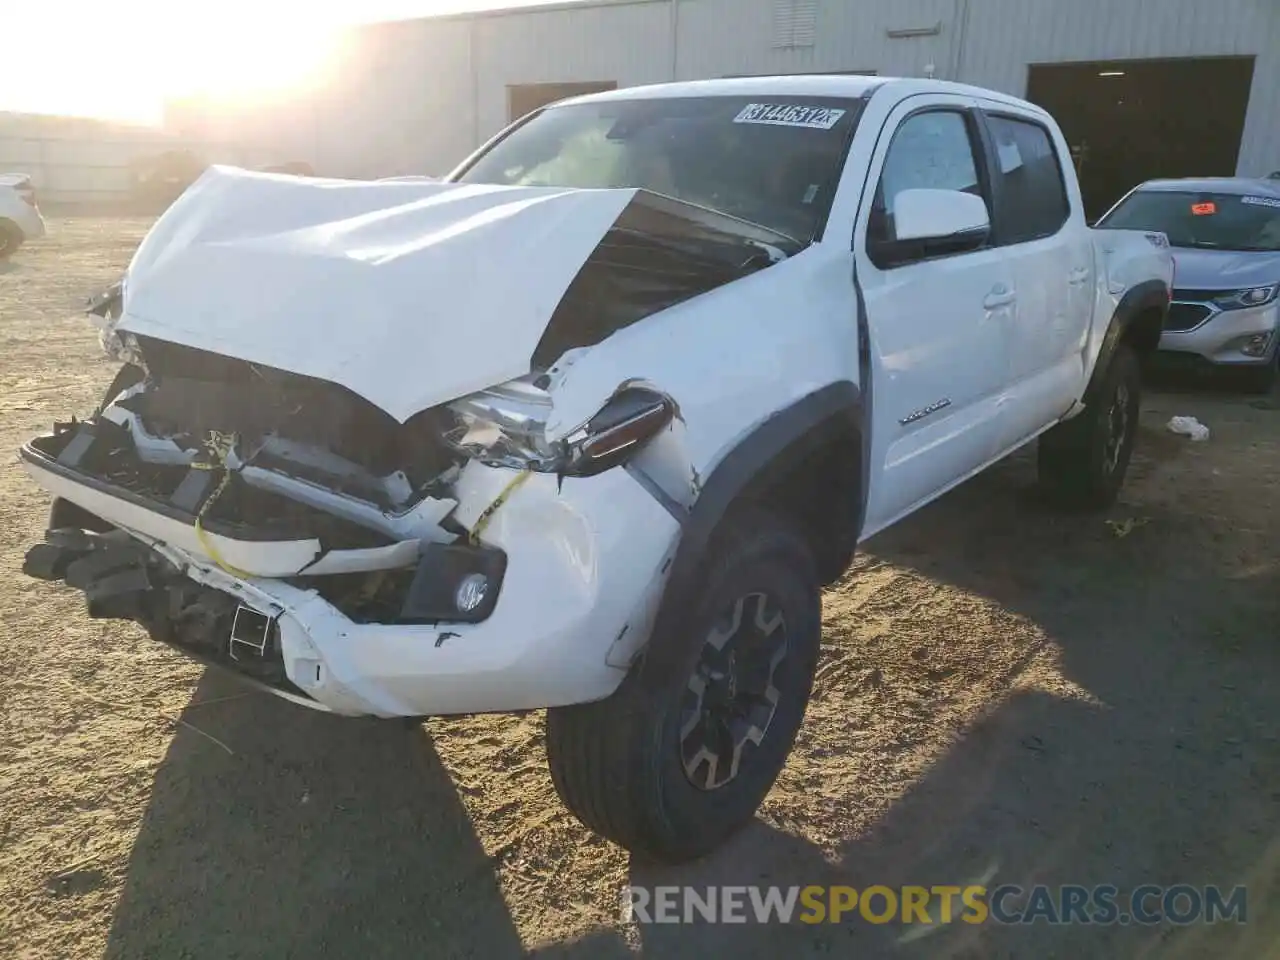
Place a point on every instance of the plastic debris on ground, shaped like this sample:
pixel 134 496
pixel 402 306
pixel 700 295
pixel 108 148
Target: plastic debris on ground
pixel 1189 427
pixel 1122 528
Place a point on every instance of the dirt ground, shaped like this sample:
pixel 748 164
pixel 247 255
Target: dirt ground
pixel 1008 695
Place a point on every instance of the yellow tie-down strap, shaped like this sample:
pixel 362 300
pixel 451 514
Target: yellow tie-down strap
pixel 219 446
pixel 487 513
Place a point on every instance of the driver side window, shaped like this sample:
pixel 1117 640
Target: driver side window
pixel 931 150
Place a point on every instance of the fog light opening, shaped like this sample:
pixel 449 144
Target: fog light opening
pixel 471 592
pixel 1256 346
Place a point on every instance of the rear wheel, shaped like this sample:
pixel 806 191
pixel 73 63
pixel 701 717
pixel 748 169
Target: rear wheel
pixel 672 765
pixel 1082 462
pixel 11 238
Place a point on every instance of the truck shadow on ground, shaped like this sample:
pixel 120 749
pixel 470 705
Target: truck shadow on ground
pixel 1042 791
pixel 1166 771
pixel 320 837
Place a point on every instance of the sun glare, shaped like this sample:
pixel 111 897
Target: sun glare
pixel 250 59
pixel 125 64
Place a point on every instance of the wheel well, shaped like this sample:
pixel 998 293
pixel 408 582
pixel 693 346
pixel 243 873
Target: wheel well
pixel 64 513
pixel 1143 332
pixel 816 484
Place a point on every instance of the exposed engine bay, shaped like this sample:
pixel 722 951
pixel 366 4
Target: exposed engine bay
pixel 275 475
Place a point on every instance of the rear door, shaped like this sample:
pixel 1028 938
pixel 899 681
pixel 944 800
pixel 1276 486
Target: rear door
pixel 1040 228
pixel 938 327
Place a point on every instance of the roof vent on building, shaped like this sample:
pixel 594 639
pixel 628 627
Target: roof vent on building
pixel 794 23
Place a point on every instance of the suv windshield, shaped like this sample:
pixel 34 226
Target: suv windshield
pixel 773 161
pixel 1213 221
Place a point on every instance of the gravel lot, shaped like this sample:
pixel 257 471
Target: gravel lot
pixel 1007 694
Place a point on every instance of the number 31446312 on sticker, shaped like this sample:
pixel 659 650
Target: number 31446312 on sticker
pixel 790 115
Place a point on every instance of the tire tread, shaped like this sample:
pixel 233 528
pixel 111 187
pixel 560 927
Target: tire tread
pixel 599 758
pixel 1066 458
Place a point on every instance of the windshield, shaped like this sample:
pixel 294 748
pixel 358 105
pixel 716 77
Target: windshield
pixel 775 163
pixel 1211 221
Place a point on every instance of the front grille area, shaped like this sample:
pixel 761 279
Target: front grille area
pixel 1184 316
pixel 1197 296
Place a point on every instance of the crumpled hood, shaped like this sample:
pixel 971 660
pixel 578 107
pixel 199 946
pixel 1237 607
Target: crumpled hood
pixel 408 293
pixel 1225 269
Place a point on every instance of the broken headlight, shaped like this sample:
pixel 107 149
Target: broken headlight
pixel 506 427
pixel 104 312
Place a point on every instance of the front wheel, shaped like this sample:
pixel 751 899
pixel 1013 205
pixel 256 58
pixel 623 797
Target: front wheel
pixel 1082 462
pixel 670 766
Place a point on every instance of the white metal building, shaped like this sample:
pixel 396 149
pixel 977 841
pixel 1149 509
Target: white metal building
pixel 86 163
pixel 1157 87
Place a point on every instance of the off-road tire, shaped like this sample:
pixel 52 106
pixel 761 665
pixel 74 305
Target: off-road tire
pixel 11 237
pixel 621 765
pixel 1082 462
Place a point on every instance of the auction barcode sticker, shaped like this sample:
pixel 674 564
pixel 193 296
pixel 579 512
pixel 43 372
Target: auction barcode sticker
pixel 790 115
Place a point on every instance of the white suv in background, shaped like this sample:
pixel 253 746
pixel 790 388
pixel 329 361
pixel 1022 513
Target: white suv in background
pixel 1225 235
pixel 20 218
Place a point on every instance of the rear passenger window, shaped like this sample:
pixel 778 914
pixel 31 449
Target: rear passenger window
pixel 1034 198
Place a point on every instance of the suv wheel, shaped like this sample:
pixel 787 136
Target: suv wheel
pixel 671 765
pixel 1082 462
pixel 1262 380
pixel 11 238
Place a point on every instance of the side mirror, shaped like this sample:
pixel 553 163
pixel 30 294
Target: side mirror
pixel 940 215
pixel 931 223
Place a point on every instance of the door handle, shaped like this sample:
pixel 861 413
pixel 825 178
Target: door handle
pixel 1000 296
pixel 1078 276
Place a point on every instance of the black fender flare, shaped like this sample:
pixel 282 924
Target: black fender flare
pixel 761 455
pixel 1143 297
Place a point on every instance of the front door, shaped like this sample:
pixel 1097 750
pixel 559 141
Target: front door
pixel 938 327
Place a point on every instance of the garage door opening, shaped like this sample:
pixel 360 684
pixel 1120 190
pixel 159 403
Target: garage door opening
pixel 1132 120
pixel 525 98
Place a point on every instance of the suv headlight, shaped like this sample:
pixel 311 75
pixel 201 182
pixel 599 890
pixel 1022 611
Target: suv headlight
pixel 505 426
pixel 1250 297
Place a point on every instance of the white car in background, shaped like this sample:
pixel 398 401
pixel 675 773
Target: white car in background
pixel 20 218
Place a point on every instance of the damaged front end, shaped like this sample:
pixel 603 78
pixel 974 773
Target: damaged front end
pixel 207 509
pixel 342 541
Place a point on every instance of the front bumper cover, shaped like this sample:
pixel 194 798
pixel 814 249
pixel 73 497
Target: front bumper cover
pixel 586 569
pixel 1219 336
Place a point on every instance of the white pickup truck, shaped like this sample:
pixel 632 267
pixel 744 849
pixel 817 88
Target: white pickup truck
pixel 589 425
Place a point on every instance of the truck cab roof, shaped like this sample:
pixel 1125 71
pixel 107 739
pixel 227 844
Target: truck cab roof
pixel 810 85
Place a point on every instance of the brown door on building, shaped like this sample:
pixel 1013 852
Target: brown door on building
pixel 1133 120
pixel 525 98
